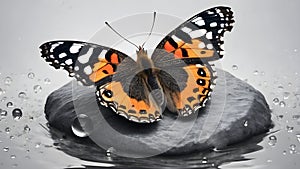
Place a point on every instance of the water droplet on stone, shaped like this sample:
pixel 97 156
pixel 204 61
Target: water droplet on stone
pixel 246 123
pixel 272 140
pixel 110 151
pixel 31 75
pixel 26 128
pixel 9 104
pixel 282 104
pixel 13 156
pixel 255 72
pixel 5 149
pixel 7 130
pixel 22 95
pixel 82 125
pixel 286 95
pixel 275 101
pixel 235 67
pixel 8 80
pixel 204 160
pixel 37 89
pixel 293 149
pixel 17 113
pixel 289 128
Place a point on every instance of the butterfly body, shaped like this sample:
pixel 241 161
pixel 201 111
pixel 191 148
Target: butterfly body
pixel 178 75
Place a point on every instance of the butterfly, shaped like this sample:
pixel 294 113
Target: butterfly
pixel 178 76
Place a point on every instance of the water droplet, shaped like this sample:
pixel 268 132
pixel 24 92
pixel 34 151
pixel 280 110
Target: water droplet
pixel 7 130
pixel 11 137
pixel 235 67
pixel 280 87
pixel 246 123
pixel 296 117
pixel 8 80
pixel 1 91
pixel 5 149
pixel 204 160
pixel 298 137
pixel 3 99
pixel 37 89
pixel 37 145
pixel 282 104
pixel 22 95
pixel 289 84
pixel 293 149
pixel 47 81
pixel 262 73
pixel 3 113
pixel 289 128
pixel 26 128
pixel 9 104
pixel 31 75
pixel 286 95
pixel 272 140
pixel 13 156
pixel 284 152
pixel 110 151
pixel 255 72
pixel 275 101
pixel 82 125
pixel 17 113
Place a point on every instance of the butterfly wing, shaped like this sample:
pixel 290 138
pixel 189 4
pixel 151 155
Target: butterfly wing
pixel 184 56
pixel 198 39
pixel 111 71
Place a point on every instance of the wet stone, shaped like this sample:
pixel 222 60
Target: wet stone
pixel 215 126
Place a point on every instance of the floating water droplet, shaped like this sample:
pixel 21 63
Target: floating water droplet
pixel 82 125
pixel 275 101
pixel 284 152
pixel 5 149
pixel 26 128
pixel 235 67
pixel 17 113
pixel 272 140
pixel 31 75
pixel 289 128
pixel 8 80
pixel 3 99
pixel 1 91
pixel 255 72
pixel 246 123
pixel 11 137
pixel 286 95
pixel 293 149
pixel 289 84
pixel 22 95
pixel 47 81
pixel 9 104
pixel 37 145
pixel 13 156
pixel 280 116
pixel 7 130
pixel 3 113
pixel 37 88
pixel 282 104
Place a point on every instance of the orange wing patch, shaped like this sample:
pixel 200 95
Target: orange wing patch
pixel 112 95
pixel 102 69
pixel 196 92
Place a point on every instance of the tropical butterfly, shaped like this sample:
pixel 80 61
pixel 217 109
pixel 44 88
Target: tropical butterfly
pixel 178 75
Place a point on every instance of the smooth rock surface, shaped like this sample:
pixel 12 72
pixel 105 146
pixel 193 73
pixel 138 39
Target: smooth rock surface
pixel 235 112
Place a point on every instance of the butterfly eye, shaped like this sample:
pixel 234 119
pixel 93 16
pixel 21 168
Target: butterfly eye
pixel 108 93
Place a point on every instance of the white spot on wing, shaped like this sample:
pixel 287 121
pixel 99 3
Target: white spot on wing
pixel 186 29
pixel 201 45
pixel 209 46
pixel 209 35
pixel 62 55
pixel 69 61
pixel 175 38
pixel 196 33
pixel 85 58
pixel 200 23
pixel 75 48
pixel 88 70
pixel 213 24
pixel 102 54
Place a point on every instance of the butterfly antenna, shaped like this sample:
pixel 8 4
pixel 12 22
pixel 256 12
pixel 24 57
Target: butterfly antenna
pixel 154 17
pixel 120 35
